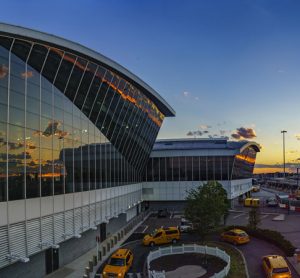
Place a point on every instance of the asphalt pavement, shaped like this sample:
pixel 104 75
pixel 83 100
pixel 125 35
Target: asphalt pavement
pixel 254 251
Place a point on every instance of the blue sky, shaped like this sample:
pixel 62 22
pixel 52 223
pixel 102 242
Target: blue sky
pixel 223 64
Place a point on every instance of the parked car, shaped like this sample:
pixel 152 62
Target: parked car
pixel 185 226
pixel 255 188
pixel 272 202
pixel 235 236
pixel 119 264
pixel 275 266
pixel 251 202
pixel 162 236
pixel 163 213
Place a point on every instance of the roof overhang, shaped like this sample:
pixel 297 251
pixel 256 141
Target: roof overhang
pixel 78 49
pixel 254 145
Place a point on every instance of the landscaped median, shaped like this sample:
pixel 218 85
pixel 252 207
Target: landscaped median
pixel 237 264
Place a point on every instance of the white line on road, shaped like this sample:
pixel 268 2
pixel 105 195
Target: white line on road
pixel 264 216
pixel 145 228
pixel 239 215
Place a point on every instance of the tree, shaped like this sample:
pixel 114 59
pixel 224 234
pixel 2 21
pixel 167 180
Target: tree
pixel 206 206
pixel 254 218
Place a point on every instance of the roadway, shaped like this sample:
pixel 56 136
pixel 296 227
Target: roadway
pixel 252 251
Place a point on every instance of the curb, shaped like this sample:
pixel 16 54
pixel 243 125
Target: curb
pixel 244 260
pixel 243 257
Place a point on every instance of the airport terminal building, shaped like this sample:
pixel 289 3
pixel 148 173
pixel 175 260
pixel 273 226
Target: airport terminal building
pixel 76 133
pixel 178 165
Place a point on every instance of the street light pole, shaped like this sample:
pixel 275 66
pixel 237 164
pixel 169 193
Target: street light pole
pixel 283 138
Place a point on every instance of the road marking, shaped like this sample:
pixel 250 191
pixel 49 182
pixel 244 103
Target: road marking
pixel 264 216
pixel 145 229
pixel 239 215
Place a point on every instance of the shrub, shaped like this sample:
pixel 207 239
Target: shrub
pixel 270 236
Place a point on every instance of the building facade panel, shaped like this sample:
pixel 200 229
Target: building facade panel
pixel 75 136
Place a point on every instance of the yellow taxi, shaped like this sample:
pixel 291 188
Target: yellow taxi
pixel 252 202
pixel 275 266
pixel 235 236
pixel 162 236
pixel 118 264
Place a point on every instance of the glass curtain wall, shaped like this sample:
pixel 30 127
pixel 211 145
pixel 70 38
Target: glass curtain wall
pixel 189 168
pixel 68 124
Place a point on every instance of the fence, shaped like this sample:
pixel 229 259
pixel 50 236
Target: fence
pixel 187 248
pixel 109 245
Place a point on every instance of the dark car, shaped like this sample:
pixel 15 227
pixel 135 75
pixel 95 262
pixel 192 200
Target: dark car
pixel 272 202
pixel 162 213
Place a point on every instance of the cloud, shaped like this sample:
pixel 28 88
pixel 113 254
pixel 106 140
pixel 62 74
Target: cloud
pixel 243 133
pixel 292 151
pixel 189 96
pixel 204 126
pixel 222 123
pixel 195 133
pixel 223 132
pixel 297 136
pixel 280 71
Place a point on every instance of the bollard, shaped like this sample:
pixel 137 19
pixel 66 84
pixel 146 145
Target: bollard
pixel 99 255
pixel 116 239
pixel 119 236
pixel 87 271
pixel 91 266
pixel 103 251
pixel 95 260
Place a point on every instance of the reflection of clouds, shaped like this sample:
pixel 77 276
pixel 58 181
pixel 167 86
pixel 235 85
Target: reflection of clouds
pixel 19 156
pixel 3 71
pixel 15 146
pixel 52 129
pixel 27 74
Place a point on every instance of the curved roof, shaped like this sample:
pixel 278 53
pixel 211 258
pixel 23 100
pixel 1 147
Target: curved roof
pixel 38 36
pixel 204 144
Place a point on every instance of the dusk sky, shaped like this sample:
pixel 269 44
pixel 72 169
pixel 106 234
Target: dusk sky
pixel 231 68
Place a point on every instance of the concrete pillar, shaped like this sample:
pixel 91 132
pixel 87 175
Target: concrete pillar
pixel 108 247
pixel 103 250
pixel 87 271
pixel 122 233
pixel 116 239
pixel 95 260
pixel 119 236
pixel 99 255
pixel 111 243
pixel 91 266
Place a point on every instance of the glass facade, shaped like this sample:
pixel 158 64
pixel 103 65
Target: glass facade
pixel 68 124
pixel 201 168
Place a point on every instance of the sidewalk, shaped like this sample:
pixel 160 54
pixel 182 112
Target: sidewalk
pixel 76 268
pixel 296 265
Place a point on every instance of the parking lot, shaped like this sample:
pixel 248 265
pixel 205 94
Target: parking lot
pixel 289 227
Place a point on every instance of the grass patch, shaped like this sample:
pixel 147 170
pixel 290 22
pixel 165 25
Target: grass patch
pixel 237 266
